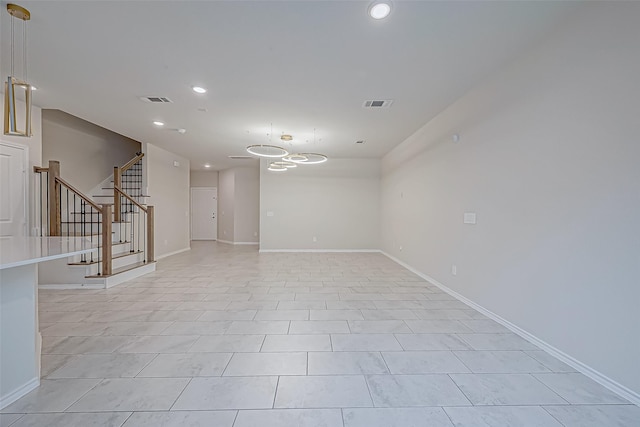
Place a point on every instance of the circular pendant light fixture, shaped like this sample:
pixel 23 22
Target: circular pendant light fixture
pixel 285 164
pixel 276 168
pixel 267 151
pixel 308 158
pixel 295 158
pixel 287 160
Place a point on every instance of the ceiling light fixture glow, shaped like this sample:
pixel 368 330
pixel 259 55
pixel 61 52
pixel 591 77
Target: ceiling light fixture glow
pixel 275 168
pixel 309 158
pixel 207 165
pixel 199 89
pixel 267 151
pixel 284 164
pixel 158 123
pixel 380 10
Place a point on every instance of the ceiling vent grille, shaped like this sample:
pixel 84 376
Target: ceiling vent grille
pixel 383 103
pixel 241 157
pixel 156 99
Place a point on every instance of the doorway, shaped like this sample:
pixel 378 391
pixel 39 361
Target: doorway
pixel 204 213
pixel 13 190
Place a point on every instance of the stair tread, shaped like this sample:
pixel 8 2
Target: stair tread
pixel 123 255
pixel 122 269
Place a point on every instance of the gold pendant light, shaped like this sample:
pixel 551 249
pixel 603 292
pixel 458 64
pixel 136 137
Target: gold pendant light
pixel 13 84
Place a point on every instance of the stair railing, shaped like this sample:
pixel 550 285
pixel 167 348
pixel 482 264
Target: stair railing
pixel 72 214
pixel 129 179
pixel 140 220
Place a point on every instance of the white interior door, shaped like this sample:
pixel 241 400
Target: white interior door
pixel 13 191
pixel 204 213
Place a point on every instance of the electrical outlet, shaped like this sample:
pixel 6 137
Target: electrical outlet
pixel 255 234
pixel 400 248
pixel 315 239
pixel 166 242
pixel 454 269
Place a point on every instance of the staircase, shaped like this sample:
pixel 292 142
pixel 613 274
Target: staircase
pixel 115 220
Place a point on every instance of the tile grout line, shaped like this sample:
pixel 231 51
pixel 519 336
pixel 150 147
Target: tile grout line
pixel 552 390
pixel 275 394
pixel 180 394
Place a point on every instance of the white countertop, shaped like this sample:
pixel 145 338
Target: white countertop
pixel 17 251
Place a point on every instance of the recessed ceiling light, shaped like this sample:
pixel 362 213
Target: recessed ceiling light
pixel 33 87
pixel 207 165
pixel 380 10
pixel 158 123
pixel 198 89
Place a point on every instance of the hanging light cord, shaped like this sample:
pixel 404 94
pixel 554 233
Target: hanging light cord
pixel 25 71
pixel 24 51
pixel 12 48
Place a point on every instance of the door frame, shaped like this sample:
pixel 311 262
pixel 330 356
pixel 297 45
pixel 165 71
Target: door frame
pixel 191 211
pixel 25 181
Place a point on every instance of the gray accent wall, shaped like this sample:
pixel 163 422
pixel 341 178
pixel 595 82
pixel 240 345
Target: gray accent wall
pixel 87 152
pixel 238 205
pixel 204 178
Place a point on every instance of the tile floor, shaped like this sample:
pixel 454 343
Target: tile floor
pixel 223 336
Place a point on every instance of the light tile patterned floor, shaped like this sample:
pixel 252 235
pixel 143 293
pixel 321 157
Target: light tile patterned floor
pixel 223 336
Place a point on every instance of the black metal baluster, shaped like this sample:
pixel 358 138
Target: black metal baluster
pixel 91 230
pixel 103 245
pixel 83 224
pixel 73 215
pixel 67 203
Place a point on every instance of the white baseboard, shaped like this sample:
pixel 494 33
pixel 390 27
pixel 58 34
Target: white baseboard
pixel 179 251
pixel 320 250
pixel 91 286
pixel 16 394
pixel 228 242
pixel 595 375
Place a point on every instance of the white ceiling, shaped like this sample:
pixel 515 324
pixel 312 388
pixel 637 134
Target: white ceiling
pixel 298 65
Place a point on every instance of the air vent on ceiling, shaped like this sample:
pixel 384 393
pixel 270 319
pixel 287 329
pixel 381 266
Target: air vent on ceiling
pixel 383 103
pixel 156 99
pixel 241 157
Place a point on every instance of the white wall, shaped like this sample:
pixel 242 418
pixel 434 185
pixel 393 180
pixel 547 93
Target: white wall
pixel 226 200
pixel 204 178
pixel 169 191
pixel 337 202
pixel 549 159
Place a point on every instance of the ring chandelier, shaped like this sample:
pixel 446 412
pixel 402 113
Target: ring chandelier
pixel 287 160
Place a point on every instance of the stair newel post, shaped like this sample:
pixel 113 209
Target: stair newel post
pixel 117 180
pixel 150 241
pixel 106 240
pixel 54 198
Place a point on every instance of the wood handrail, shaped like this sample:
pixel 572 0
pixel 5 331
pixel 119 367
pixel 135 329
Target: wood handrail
pixel 38 169
pixel 128 197
pixel 131 162
pixel 79 194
